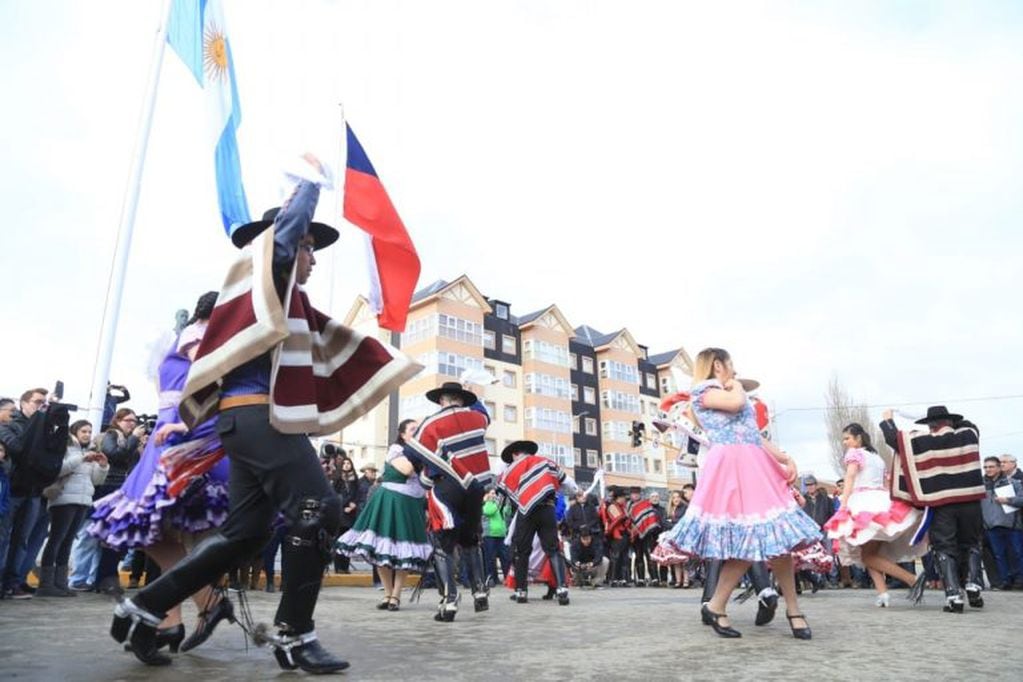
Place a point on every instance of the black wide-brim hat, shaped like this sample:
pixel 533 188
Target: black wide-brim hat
pixel 323 235
pixel 453 388
pixel 938 413
pixel 512 449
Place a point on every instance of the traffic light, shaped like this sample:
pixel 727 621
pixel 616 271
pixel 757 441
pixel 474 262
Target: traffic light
pixel 637 432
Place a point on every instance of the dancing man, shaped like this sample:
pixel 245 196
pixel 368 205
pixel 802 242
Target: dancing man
pixel 532 483
pixel 255 367
pixel 952 485
pixel 646 526
pixel 450 453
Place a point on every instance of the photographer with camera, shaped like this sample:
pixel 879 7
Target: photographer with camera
pixel 35 439
pixel 589 565
pixel 122 444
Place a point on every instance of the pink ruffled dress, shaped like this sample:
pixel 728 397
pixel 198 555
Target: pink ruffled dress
pixel 871 514
pixel 742 507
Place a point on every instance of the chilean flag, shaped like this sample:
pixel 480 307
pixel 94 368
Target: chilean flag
pixel 393 261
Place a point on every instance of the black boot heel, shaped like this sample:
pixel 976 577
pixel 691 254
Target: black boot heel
pixel 799 633
pixel 712 618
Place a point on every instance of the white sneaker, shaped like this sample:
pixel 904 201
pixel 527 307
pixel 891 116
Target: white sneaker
pixel 882 601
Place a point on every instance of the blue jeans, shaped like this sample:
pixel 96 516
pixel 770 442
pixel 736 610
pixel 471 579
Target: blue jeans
pixel 1003 541
pixel 36 540
pixel 23 517
pixel 495 550
pixel 84 556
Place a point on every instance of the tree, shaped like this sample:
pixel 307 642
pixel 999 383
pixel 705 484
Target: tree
pixel 841 411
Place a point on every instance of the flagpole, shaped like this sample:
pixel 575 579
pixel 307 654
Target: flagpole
pixel 339 194
pixel 115 285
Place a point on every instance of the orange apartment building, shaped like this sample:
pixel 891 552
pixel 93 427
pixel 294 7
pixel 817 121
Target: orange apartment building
pixel 573 390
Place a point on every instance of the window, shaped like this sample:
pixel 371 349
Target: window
pixel 491 446
pixel 665 385
pixel 418 330
pixel 657 466
pixel 546 419
pixel 617 431
pixel 501 310
pixel 559 453
pixel 592 459
pixel 621 463
pixel 508 379
pixel 651 381
pixel 451 364
pixel 459 329
pixel 575 424
pixel 415 407
pixel 488 340
pixel 511 414
pixel 545 384
pixel 617 400
pixel 508 344
pixel 575 392
pixel 577 456
pixel 490 369
pixel 591 426
pixel 573 361
pixel 491 408
pixel 619 371
pixel 588 365
pixel 589 395
pixel 538 349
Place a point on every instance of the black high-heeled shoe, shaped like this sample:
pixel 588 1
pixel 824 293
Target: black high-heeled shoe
pixel 799 633
pixel 210 618
pixel 712 619
pixel 167 637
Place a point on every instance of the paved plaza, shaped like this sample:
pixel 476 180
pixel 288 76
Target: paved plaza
pixel 624 634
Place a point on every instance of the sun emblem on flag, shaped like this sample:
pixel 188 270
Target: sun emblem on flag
pixel 214 53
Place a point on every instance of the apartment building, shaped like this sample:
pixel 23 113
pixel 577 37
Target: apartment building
pixel 572 389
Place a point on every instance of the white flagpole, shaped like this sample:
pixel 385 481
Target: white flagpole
pixel 115 286
pixel 339 195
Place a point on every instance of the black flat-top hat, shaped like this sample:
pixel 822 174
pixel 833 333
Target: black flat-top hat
pixel 938 413
pixel 323 235
pixel 518 447
pixel 451 388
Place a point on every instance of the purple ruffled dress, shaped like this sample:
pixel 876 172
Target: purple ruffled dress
pixel 136 514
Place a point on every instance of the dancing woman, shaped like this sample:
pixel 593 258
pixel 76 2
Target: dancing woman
pixel 390 532
pixel 157 510
pixel 742 511
pixel 873 530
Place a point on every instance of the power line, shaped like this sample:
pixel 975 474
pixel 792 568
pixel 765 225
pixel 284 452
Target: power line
pixel 1016 396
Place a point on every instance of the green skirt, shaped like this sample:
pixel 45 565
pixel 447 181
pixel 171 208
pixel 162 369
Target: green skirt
pixel 390 531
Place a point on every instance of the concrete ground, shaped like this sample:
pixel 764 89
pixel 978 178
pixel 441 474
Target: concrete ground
pixel 631 634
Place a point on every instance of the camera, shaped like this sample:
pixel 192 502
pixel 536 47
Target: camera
pixel 147 421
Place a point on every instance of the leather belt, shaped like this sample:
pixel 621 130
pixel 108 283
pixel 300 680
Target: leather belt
pixel 245 400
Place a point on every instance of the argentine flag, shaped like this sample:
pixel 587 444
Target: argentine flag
pixel 196 31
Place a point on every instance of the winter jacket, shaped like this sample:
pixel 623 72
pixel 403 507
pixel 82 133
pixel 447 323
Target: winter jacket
pixel 994 515
pixel 122 453
pixel 347 490
pixel 494 525
pixel 78 479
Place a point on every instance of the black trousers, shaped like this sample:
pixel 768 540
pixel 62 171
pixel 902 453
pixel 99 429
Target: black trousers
pixel 642 547
pixel 540 521
pixel 618 553
pixel 467 506
pixel 956 529
pixel 65 521
pixel 270 471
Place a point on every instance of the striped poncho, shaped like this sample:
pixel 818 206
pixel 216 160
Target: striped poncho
pixel 324 375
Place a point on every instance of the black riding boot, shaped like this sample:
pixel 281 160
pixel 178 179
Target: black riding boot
pixel 974 578
pixel 767 597
pixel 949 570
pixel 478 576
pixel 447 585
pixel 558 568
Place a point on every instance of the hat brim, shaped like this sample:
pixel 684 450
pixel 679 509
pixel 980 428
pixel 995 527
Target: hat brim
pixel 510 450
pixel 323 235
pixel 944 418
pixel 749 384
pixel 468 397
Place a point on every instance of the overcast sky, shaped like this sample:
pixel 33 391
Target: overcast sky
pixel 822 188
